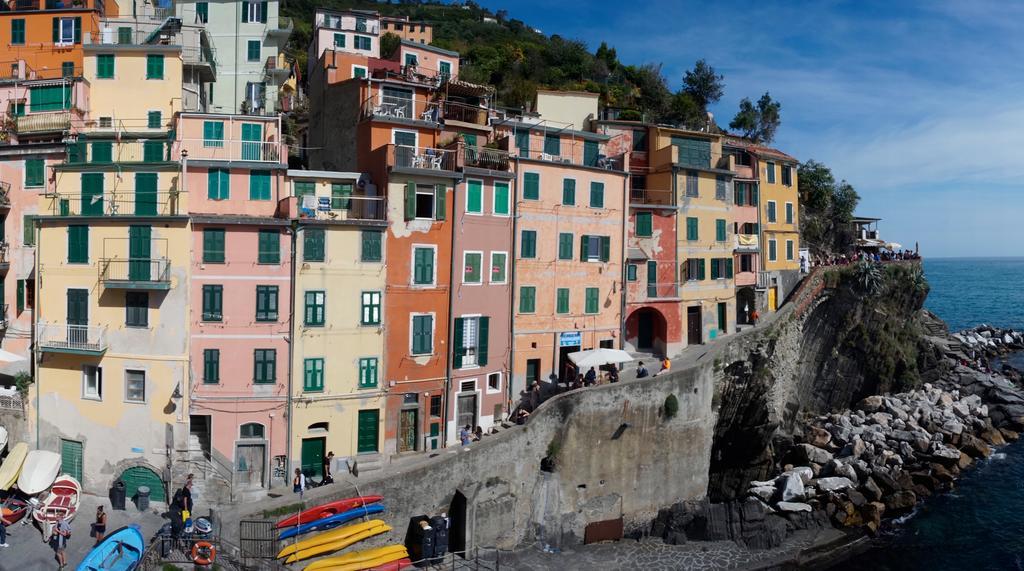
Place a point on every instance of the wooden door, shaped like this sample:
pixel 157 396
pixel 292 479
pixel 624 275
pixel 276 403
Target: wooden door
pixel 368 426
pixel 249 462
pixel 313 456
pixel 693 328
pixel 408 429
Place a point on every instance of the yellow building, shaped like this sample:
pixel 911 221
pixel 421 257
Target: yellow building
pixel 689 166
pixel 112 261
pixel 338 389
pixel 779 206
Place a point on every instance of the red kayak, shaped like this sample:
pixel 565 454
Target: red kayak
pixel 394 565
pixel 327 510
pixel 13 510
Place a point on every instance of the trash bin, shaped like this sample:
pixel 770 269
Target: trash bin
pixel 117 496
pixel 142 499
pixel 440 525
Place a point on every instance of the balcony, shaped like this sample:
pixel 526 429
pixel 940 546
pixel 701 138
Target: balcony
pixel 647 196
pixel 201 58
pixel 354 208
pixel 422 160
pixel 72 339
pixel 485 158
pixel 136 273
pixel 564 150
pixel 410 74
pixel 764 280
pixel 276 69
pixel 39 123
pixel 116 204
pixel 282 30
pixel 464 113
pixel 5 258
pixel 405 109
pixel 221 150
pixel 746 243
pixel 107 151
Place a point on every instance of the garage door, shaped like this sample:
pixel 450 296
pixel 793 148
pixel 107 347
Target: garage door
pixel 71 458
pixel 140 476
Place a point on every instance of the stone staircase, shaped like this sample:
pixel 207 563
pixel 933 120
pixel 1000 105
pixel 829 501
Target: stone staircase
pixel 369 464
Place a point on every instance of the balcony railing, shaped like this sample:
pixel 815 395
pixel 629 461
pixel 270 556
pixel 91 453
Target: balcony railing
pixel 650 196
pixel 276 67
pixel 424 158
pixel 640 291
pixel 764 280
pixel 53 122
pixel 411 74
pixel 70 338
pixel 221 150
pixel 747 242
pixel 391 107
pixel 348 26
pixel 344 208
pixel 284 27
pixel 473 114
pixel 151 151
pixel 485 158
pixel 5 259
pixel 126 203
pixel 135 273
pixel 565 150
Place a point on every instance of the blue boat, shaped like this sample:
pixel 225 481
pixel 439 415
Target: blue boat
pixel 331 521
pixel 120 551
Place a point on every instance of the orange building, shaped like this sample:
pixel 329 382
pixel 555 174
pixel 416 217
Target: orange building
pixel 42 39
pixel 419 32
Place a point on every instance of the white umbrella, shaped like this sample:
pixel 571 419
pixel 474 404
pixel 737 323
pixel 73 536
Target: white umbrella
pixel 893 246
pixel 598 357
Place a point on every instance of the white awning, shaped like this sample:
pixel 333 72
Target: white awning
pixel 11 363
pixel 598 357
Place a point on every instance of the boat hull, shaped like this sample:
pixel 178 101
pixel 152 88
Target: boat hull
pixel 327 510
pixel 120 551
pixel 333 540
pixel 61 503
pixel 332 521
pixel 360 560
pixel 11 468
pixel 38 472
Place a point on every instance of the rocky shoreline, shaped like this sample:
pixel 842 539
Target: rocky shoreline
pixel 854 469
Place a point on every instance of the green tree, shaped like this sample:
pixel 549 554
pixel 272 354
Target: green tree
pixel 703 84
pixel 758 122
pixel 827 208
pixel 389 45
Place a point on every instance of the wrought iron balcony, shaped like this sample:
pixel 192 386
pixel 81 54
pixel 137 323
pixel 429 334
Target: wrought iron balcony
pixel 136 273
pixel 485 158
pixel 125 204
pixel 72 338
pixel 421 158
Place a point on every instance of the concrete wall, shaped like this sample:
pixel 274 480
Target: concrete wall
pixel 568 107
pixel 129 96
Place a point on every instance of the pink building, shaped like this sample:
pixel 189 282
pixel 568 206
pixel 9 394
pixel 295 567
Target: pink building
pixel 240 295
pixel 747 254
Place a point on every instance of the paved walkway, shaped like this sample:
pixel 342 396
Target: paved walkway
pixel 28 551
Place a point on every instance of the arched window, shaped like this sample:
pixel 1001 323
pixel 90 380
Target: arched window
pixel 251 430
pixel 319 427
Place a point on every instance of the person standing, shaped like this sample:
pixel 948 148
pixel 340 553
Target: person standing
pixel 59 539
pixel 3 530
pixel 464 436
pixel 99 528
pixel 299 483
pixel 328 476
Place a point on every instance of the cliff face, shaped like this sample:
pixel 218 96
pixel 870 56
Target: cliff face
pixel 849 333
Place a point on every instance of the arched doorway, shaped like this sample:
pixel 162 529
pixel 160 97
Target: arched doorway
pixel 142 476
pixel 746 302
pixel 651 329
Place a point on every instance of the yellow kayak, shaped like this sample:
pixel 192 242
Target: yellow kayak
pixel 359 560
pixel 333 540
pixel 11 467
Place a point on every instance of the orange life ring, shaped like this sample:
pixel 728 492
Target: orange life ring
pixel 203 553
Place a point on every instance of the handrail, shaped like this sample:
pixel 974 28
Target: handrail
pixel 421 158
pixel 232 150
pixel 71 336
pixel 113 203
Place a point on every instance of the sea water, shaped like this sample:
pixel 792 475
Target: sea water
pixel 980 524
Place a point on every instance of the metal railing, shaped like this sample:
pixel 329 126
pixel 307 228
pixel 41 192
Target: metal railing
pixel 345 208
pixel 115 271
pixel 764 280
pixel 276 66
pixel 166 550
pixel 3 317
pixel 465 113
pixel 5 260
pixel 389 106
pixel 284 27
pixel 70 337
pixel 151 151
pixel 485 158
pixel 346 26
pixel 426 158
pixel 230 150
pixel 12 402
pixel 565 150
pixel 651 196
pixel 126 203
pixel 47 122
pixel 412 74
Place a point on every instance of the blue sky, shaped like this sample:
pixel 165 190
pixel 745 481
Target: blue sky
pixel 917 104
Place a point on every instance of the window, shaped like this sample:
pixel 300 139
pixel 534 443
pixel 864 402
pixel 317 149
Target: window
pixel 213 134
pixel 266 303
pixel 527 299
pixel 211 366
pixel 213 302
pixel 411 60
pixel 269 247
pixel 202 13
pixel 313 240
pixel 124 35
pixel 358 71
pixel 592 300
pixel 720 233
pixel 253 50
pixel 154 66
pixel 250 430
pixel 716 268
pixel 152 151
pixel 264 365
pixel 565 246
pixel 28 223
pixel 105 66
pixel 370 314
pixel 494 382
pixel 153 120
pixel 18 32
pixel 693 152
pixel 531 186
pixel 17 108
pixel 34 172
pixel 372 250
pixel 771 211
pixel 640 141
pixel 568 192
pixel 691 183
pixel 787 175
pixel 313 375
pixel 362 43
pixel 259 185
pixel 644 224
pixel 595 248
pixel 49 98
pixel 552 145
pixel 721 188
pixel 136 308
pixel 423 266
pixel 314 314
pixel 470 338
pixel 474 197
pixel 789 213
pixel 597 195
pixel 499 260
pixel 422 334
pixel 723 311
pixel 471 263
pixel 255 12
pixel 368 373
pixel 769 169
pixel 67 30
pixel 501 199
pixel 694 269
pixel 78 244
pixel 341 196
pixel 435 406
pixel 302 189
pixel 102 151
pixel 339 40
pixel 562 301
pixel 425 202
pixel 528 245
pixel 772 251
pixel 444 68
pixel 746 263
pixel 134 386
pixel 789 250
pixel 213 245
pixel 92 382
pixel 630 272
pixel 739 193
pixel 217 183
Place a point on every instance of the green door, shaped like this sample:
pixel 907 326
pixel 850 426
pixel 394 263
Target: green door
pixel 652 278
pixel 523 142
pixel 142 476
pixel 145 194
pixel 313 456
pixel 78 317
pixel 71 458
pixel 92 194
pixel 139 263
pixel 252 136
pixel 368 426
pixel 405 148
pixel 590 153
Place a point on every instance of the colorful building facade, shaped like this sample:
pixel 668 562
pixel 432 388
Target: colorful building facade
pixel 780 222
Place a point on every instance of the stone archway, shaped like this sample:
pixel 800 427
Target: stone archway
pixel 647 330
pixel 746 302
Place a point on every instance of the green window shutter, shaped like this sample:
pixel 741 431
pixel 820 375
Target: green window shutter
pixel 501 198
pixel 213 299
pixel 28 236
pixel 303 189
pixel 423 266
pixel 313 375
pixel 245 11
pixel 459 350
pixel 498 264
pixel 531 186
pixel 644 224
pixel 474 196
pixel 105 66
pixel 315 308
pixel 153 120
pixel 211 366
pixel 422 335
pixel 102 151
pixel 753 195
pixel 562 301
pixel 789 213
pixel 266 303
pixel 213 134
pixel 136 309
pixel 740 193
pixel 265 365
pixel 153 151
pixel 341 196
pixel 78 29
pixel 700 269
pixel 259 185
pixel 253 50
pixel 440 196
pixel 78 244
pixel 35 174
pixel 213 245
pixel 565 246
pixel 21 296
pixel 584 248
pixel 720 230
pixel 339 40
pixel 691 229
pixel 56 30
pixel 371 246
pixel 155 66
pixel 592 299
pixel 482 340
pixel 552 145
pixel 472 273
pixel 606 248
pixel 269 247
pixel 368 373
pixel 771 211
pixel 568 192
pixel 217 184
pixel 124 35
pixel 631 272
pixel 410 200
pixel 202 12
pixel 313 245
pixel 597 195
pixel 263 12
pixel 770 172
pixel 527 299
pixel 728 268
pixel 528 244
pixel 18 32
pixel 714 269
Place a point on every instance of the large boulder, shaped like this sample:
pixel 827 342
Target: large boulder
pixel 833 484
pixel 805 472
pixel 870 404
pixel 901 501
pixel 807 454
pixel 791 487
pixel 793 507
pixel 974 446
pixel 871 490
pixel 818 437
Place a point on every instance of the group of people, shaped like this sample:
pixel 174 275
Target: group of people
pixel 641 370
pixel 300 484
pixel 854 257
pixel 61 533
pixel 468 435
